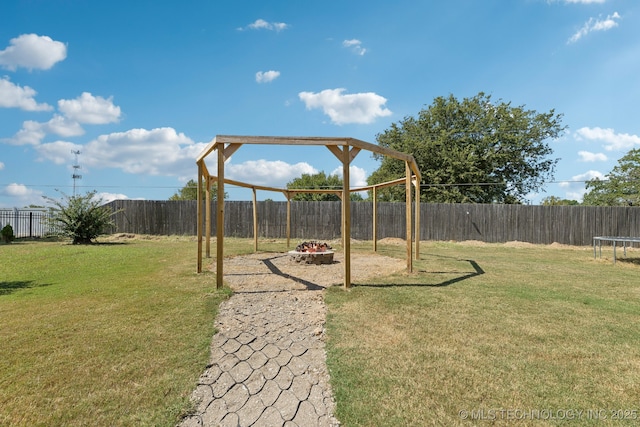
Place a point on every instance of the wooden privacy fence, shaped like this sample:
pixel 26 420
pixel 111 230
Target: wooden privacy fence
pixel 571 225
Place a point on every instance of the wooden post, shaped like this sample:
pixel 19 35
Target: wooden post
pixel 199 219
pixel 208 217
pixel 408 213
pixel 417 228
pixel 375 219
pixel 288 219
pixel 255 222
pixel 346 215
pixel 220 220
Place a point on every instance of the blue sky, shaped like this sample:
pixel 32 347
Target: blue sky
pixel 140 87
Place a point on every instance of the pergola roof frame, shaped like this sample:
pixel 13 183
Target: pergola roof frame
pixel 345 149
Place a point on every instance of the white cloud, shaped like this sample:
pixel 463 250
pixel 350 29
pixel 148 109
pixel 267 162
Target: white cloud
pixel 268 173
pixel 362 108
pixel 62 126
pixel 110 197
pixel 267 76
pixel 90 109
pixel 58 152
pixel 611 139
pixel 576 188
pixel 160 151
pixel 357 176
pixel 581 178
pixel 84 109
pixel 21 195
pixel 32 51
pixel 586 156
pixel 261 24
pixel 14 96
pixel 1 166
pixel 595 25
pixel 32 133
pixel 355 45
pixel 585 1
pixel 139 151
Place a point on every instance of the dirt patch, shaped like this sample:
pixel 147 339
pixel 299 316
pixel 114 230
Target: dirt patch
pixel 276 271
pixel 472 243
pixel 392 241
pixel 517 244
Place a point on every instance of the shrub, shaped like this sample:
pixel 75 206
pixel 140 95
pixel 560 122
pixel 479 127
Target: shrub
pixel 82 218
pixel 7 234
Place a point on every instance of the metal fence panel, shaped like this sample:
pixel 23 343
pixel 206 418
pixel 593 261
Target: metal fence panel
pixel 26 222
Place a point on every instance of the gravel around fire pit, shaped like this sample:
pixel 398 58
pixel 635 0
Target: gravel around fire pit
pixel 275 271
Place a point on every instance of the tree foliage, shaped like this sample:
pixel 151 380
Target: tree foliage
pixel 471 151
pixel 621 187
pixel 190 192
pixel 318 181
pixel 557 201
pixel 81 217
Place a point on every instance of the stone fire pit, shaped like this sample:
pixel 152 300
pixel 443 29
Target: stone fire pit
pixel 312 253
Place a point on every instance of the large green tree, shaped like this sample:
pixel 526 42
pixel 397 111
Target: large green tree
pixel 472 151
pixel 318 181
pixel 621 186
pixel 190 192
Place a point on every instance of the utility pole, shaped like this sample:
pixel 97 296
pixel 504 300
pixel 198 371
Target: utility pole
pixel 76 167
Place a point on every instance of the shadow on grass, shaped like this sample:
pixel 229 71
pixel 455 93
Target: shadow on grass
pixel 7 288
pixel 635 261
pixel 462 275
pixel 106 244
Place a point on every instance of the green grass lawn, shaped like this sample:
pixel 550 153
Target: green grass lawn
pixel 491 328
pixel 118 333
pixel 102 335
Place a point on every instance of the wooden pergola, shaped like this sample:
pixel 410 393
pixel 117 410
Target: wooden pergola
pixel 345 149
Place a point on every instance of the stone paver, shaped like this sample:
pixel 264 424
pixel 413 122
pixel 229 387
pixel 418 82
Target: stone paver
pixel 268 363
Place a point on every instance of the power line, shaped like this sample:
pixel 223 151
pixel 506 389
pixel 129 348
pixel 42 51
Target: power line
pixel 231 185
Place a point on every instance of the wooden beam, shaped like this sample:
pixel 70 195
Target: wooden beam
pixel 375 219
pixel 314 140
pixel 207 150
pixel 381 185
pixel 199 219
pixel 282 140
pixel 346 217
pixel 336 151
pixel 408 214
pixel 255 222
pixel 288 219
pixel 316 190
pixel 207 210
pixel 220 221
pixel 205 171
pixel 353 153
pixel 416 184
pixel 230 149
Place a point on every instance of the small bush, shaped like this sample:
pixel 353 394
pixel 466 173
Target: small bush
pixel 7 234
pixel 82 218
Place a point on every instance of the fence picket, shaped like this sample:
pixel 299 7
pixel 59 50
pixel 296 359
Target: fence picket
pixel 572 225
